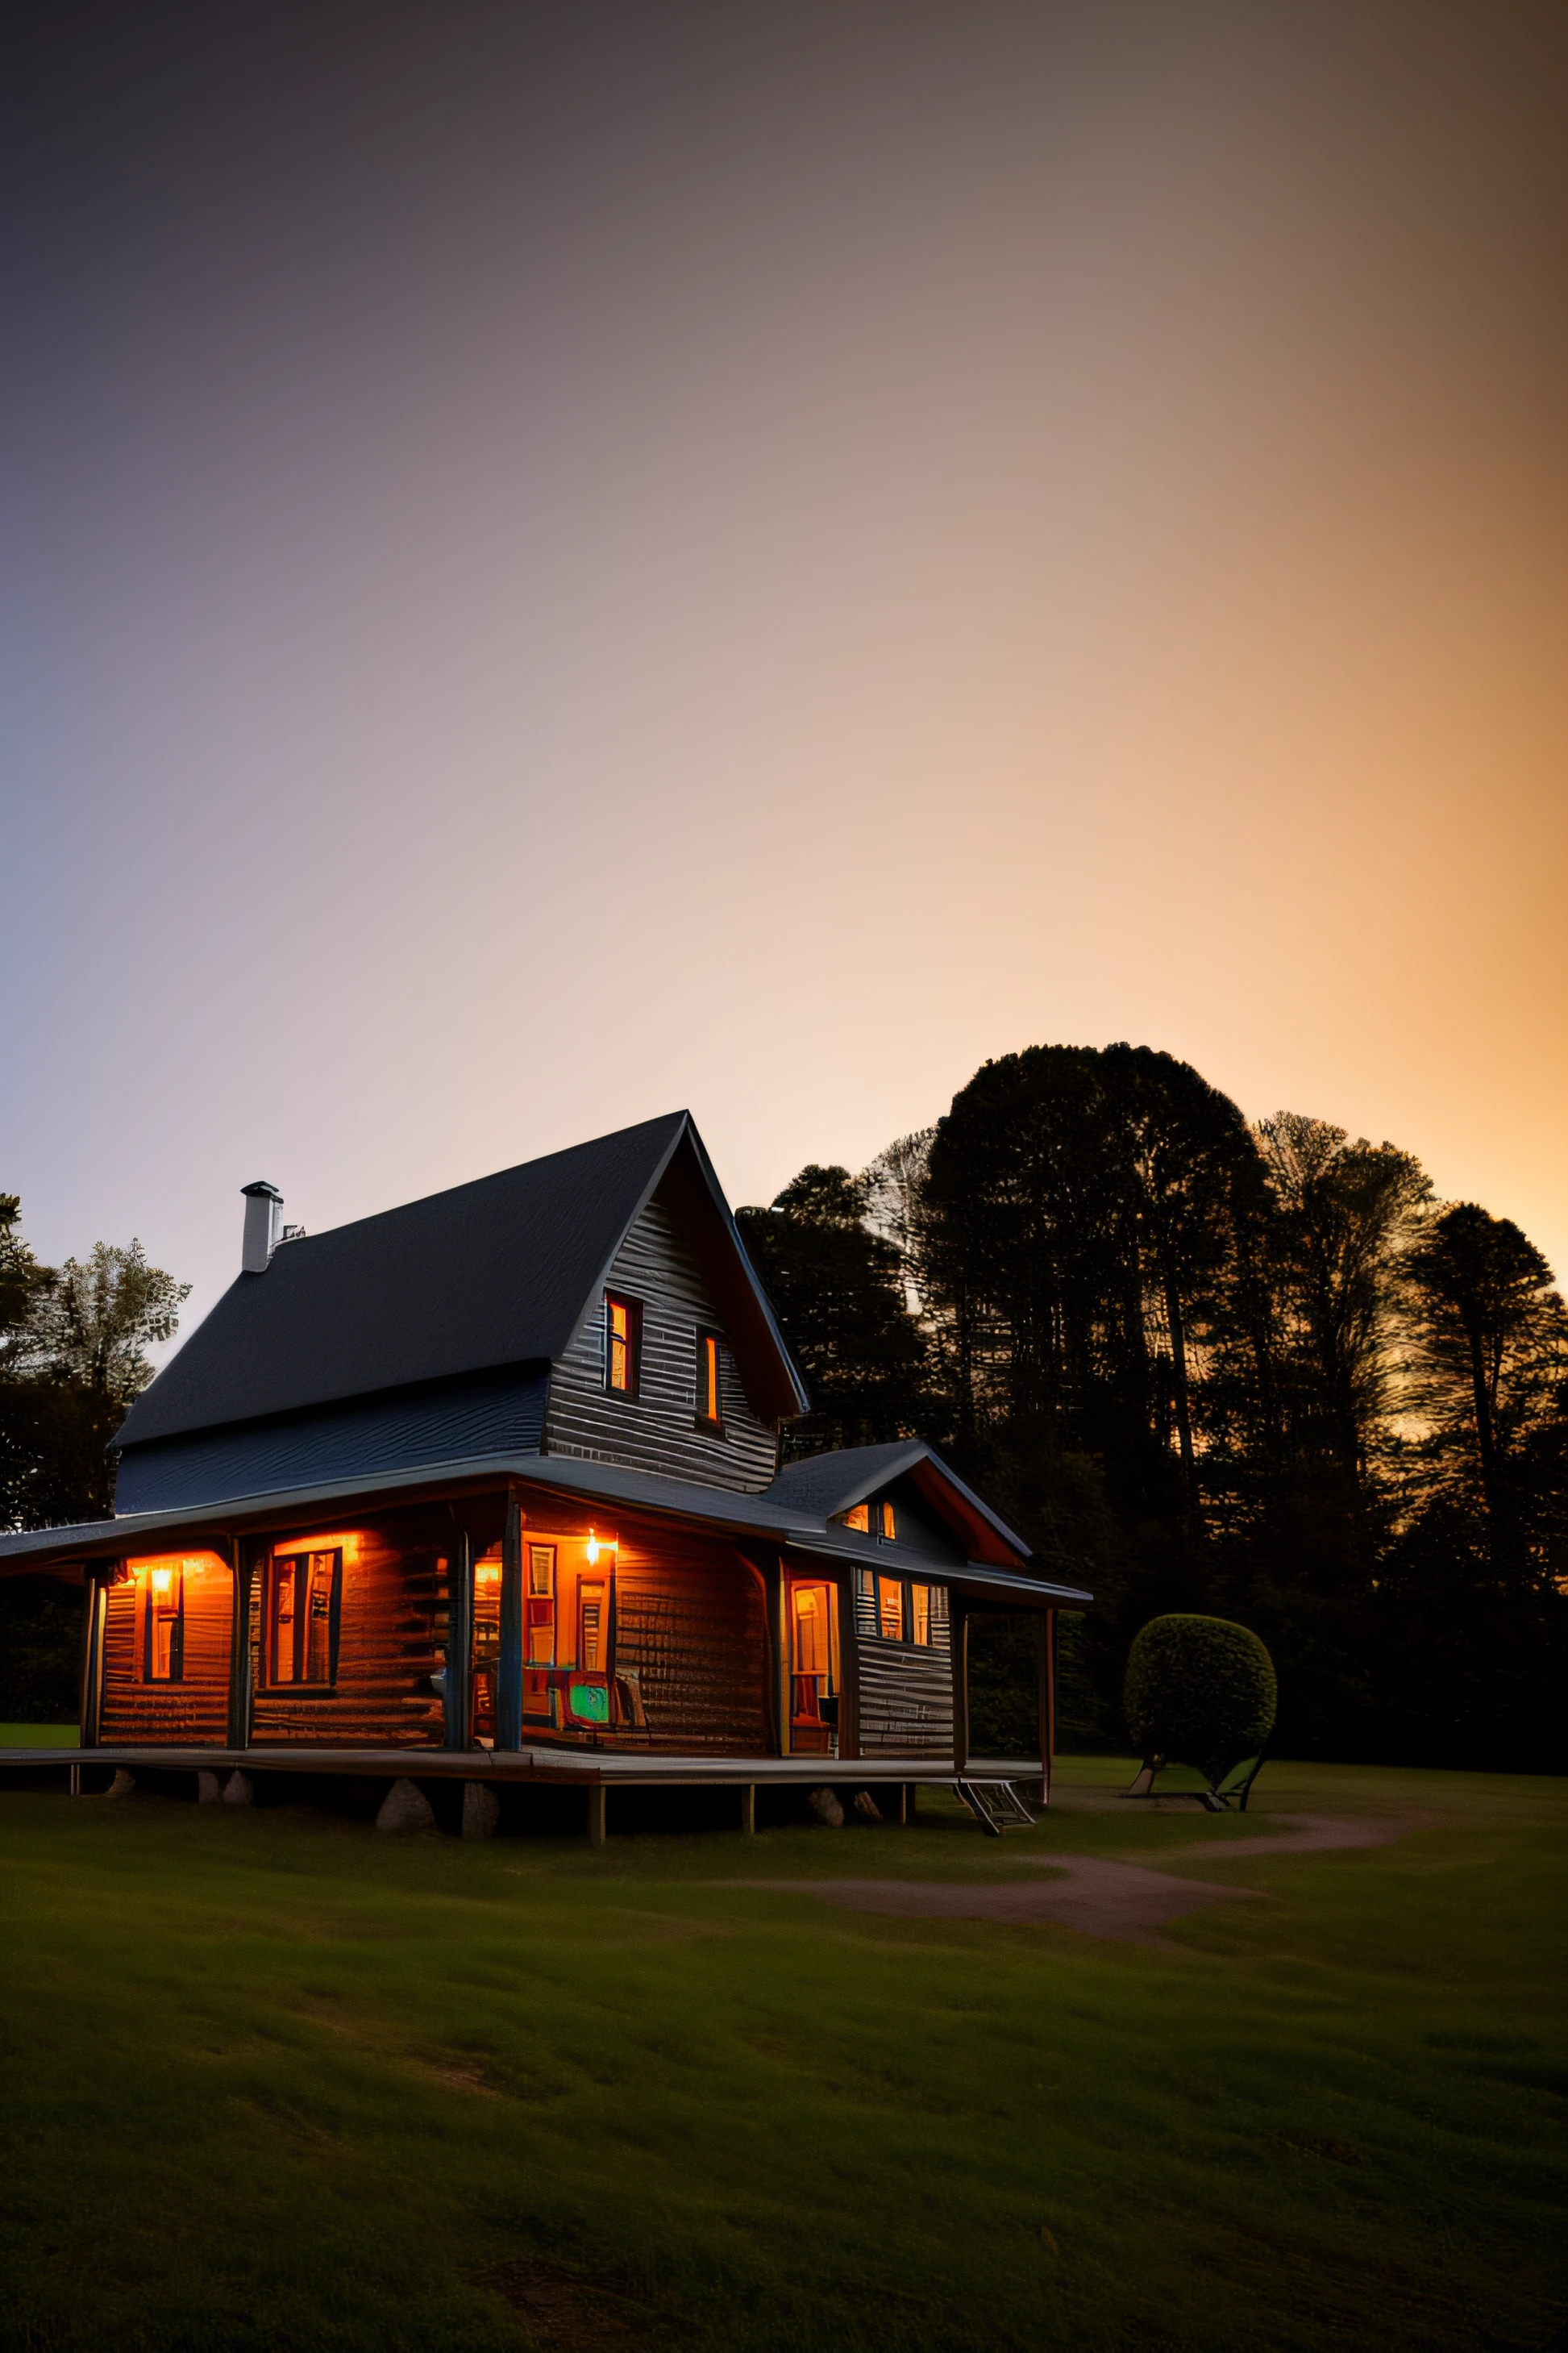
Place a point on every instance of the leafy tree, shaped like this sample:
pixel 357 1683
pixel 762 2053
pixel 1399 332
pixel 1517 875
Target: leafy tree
pixel 72 1358
pixel 839 1294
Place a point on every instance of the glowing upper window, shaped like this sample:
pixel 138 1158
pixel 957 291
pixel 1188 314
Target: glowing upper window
pixel 623 1331
pixel 860 1517
pixel 710 1402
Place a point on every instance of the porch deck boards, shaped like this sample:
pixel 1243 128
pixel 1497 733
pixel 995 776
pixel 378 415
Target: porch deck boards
pixel 582 1768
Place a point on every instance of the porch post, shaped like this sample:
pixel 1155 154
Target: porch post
pixel 1045 1657
pixel 243 1569
pixel 95 1604
pixel 958 1616
pixel 460 1640
pixel 848 1671
pixel 509 1666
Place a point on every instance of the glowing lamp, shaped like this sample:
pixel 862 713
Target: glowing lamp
pixel 486 1573
pixel 162 1579
pixel 592 1547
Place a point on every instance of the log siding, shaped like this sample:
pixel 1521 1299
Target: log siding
pixel 132 1708
pixel 391 1641
pixel 656 1430
pixel 694 1633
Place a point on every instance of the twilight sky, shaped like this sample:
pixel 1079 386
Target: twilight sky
pixel 562 561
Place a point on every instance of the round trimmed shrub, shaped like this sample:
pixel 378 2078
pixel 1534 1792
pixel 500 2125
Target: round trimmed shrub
pixel 1199 1691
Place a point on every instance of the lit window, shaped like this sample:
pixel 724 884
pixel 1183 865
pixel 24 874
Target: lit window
pixel 303 1600
pixel 860 1517
pixel 709 1403
pixel 890 1526
pixel 592 1627
pixel 920 1614
pixel 891 1609
pixel 541 1605
pixel 623 1324
pixel 163 1645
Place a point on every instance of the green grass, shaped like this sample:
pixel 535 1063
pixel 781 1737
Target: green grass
pixel 39 1736
pixel 276 2082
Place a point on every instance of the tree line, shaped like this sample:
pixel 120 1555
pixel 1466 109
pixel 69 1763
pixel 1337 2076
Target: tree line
pixel 1255 1370
pixel 1252 1369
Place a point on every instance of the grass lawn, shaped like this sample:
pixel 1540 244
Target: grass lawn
pixel 274 2080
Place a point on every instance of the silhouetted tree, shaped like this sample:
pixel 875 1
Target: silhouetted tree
pixel 839 1294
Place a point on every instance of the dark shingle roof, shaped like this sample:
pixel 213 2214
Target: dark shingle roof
pixel 496 1272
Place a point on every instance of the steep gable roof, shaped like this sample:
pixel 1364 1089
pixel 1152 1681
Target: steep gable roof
pixel 828 1485
pixel 495 1272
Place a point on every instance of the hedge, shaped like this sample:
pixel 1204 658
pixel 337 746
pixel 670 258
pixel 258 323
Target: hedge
pixel 1199 1691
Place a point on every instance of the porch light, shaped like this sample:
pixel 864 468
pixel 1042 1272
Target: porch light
pixel 162 1579
pixel 611 1544
pixel 592 1547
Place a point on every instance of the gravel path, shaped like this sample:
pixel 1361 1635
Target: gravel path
pixel 1126 1902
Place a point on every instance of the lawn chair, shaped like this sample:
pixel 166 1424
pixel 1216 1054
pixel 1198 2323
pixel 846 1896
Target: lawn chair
pixel 1233 1790
pixel 1235 1785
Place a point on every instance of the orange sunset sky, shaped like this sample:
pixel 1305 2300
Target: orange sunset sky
pixel 566 561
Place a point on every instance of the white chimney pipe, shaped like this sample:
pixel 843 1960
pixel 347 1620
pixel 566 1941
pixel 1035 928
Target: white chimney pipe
pixel 262 1203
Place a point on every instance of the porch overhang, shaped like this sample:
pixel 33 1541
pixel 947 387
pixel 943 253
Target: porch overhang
pixel 70 1551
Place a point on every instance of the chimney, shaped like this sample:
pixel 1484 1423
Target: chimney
pixel 262 1203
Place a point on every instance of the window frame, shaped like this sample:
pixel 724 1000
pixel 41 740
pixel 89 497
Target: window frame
pixel 869 1590
pixel 177 1673
pixel 301 1685
pixel 633 1307
pixel 710 1353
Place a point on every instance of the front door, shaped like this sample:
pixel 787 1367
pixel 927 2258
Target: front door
pixel 813 1606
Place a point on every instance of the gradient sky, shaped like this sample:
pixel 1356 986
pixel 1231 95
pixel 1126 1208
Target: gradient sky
pixel 564 561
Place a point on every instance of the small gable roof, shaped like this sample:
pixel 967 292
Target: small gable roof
pixel 496 1272
pixel 826 1484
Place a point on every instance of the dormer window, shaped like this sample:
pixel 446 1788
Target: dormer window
pixel 623 1343
pixel 710 1397
pixel 885 1521
pixel 860 1516
pixel 871 1519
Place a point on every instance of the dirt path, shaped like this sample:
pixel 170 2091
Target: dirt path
pixel 1126 1902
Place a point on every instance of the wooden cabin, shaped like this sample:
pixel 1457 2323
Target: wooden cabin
pixel 488 1486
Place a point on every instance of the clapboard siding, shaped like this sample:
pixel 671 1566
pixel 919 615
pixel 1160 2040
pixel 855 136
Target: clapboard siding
pixel 906 1689
pixel 654 1431
pixel 694 1634
pixel 196 1707
pixel 392 1627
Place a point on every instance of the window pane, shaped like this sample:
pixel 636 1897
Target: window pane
pixel 919 1611
pixel 590 1620
pixel 319 1623
pixel 890 1607
pixel 541 1605
pixel 890 1524
pixel 283 1621
pixel 860 1517
pixel 165 1601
